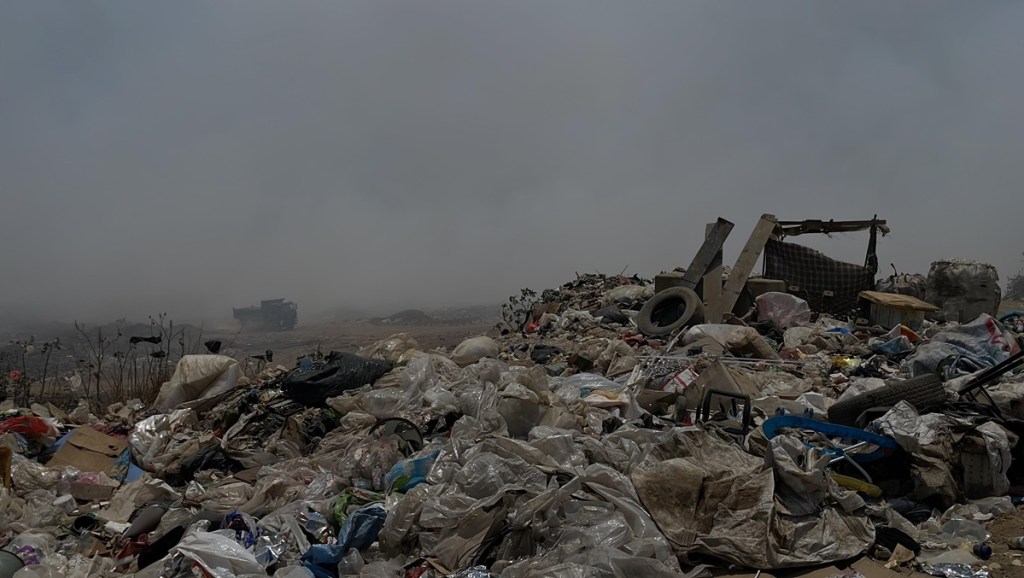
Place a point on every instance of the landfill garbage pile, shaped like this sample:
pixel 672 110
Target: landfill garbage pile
pixel 579 447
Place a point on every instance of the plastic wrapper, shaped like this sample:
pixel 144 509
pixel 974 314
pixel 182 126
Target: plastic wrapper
pixel 151 436
pixel 29 475
pixel 268 548
pixel 315 524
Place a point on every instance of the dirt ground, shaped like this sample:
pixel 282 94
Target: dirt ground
pixel 1006 562
pixel 343 336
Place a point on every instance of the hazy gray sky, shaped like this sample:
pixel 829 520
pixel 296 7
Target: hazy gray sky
pixel 187 156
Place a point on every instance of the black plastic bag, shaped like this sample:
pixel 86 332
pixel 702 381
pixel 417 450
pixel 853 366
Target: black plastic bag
pixel 340 373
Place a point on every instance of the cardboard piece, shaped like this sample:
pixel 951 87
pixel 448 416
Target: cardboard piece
pixel 897 301
pixel 88 450
pixel 91 492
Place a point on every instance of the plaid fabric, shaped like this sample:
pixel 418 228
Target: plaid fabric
pixel 812 274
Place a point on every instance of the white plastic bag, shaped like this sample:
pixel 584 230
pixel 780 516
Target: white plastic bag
pixel 474 349
pixel 784 309
pixel 198 377
pixel 219 555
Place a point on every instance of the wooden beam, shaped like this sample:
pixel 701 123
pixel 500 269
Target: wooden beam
pixel 713 278
pixel 744 266
pixel 714 238
pixel 794 228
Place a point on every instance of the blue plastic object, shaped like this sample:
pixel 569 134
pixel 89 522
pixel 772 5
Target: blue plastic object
pixel 409 473
pixel 885 445
pixel 359 531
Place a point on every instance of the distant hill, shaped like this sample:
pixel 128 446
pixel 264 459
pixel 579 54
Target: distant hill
pixel 406 317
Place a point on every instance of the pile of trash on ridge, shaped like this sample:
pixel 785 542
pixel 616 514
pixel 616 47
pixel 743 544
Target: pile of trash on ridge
pixel 773 437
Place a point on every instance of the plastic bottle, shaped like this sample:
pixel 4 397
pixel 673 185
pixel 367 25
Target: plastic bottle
pixel 1017 542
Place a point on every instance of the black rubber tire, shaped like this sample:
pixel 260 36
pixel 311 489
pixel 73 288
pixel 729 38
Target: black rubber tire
pixel 924 393
pixel 670 310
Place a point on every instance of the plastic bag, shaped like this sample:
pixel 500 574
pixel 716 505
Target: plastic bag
pixel 198 377
pixel 359 531
pixel 226 497
pixel 30 426
pixel 474 349
pixel 739 340
pixel 627 295
pixel 963 289
pixel 219 555
pixel 29 475
pixel 411 472
pixel 151 436
pixel 341 372
pixel 368 463
pixel 391 349
pixel 783 309
pixel 984 341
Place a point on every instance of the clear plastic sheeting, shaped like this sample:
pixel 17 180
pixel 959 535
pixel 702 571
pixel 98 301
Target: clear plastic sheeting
pixel 709 497
pixel 218 555
pixel 152 436
pixel 783 309
pixel 981 343
pixel 198 377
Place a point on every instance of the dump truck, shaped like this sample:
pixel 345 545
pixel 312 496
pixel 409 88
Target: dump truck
pixel 272 314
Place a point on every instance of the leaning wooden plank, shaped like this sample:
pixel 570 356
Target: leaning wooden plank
pixel 713 278
pixel 743 267
pixel 705 257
